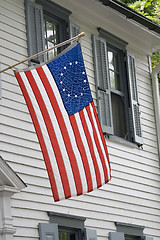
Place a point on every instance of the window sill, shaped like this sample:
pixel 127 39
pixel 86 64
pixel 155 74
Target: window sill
pixel 120 140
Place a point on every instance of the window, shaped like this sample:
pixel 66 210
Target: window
pixel 47 25
pixel 65 227
pixel 128 232
pixel 116 86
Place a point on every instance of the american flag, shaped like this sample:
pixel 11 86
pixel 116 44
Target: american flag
pixel 59 100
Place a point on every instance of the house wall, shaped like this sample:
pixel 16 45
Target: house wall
pixel 132 195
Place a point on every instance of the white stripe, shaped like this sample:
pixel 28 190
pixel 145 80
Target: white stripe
pixel 98 160
pixel 57 131
pixel 100 140
pixel 87 150
pixel 68 127
pixel 45 136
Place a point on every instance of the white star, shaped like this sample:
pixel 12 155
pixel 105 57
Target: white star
pixel 85 81
pixel 69 95
pixel 61 82
pixel 70 63
pixel 76 62
pixel 65 67
pixel 83 73
pixel 81 94
pixel 75 95
pixel 64 89
pixel 61 74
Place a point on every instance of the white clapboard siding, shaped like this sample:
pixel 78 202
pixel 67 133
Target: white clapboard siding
pixel 132 195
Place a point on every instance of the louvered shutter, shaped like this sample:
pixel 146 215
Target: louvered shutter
pixel 116 236
pixel 135 109
pixel 74 29
pixel 102 84
pixel 90 234
pixel 48 231
pixel 35 32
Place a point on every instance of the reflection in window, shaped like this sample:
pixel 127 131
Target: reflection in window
pixel 66 235
pixel 52 37
pixel 114 71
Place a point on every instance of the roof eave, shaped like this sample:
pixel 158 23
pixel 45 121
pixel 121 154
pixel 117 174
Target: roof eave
pixel 132 14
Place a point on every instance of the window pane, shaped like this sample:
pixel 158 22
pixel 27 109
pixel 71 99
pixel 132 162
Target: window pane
pixel 118 111
pixel 67 235
pixel 52 37
pixel 114 69
pixel 72 236
pixel 64 236
pixel 114 80
pixel 128 237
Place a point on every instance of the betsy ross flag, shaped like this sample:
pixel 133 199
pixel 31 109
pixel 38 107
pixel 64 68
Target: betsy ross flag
pixel 64 116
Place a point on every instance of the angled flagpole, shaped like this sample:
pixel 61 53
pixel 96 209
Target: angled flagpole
pixel 44 51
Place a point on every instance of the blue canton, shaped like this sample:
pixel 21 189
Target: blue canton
pixel 70 76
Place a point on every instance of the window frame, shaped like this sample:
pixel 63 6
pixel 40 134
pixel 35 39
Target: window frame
pixel 68 222
pixel 105 38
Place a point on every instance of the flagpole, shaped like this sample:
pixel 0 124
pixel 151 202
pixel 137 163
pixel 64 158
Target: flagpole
pixel 44 51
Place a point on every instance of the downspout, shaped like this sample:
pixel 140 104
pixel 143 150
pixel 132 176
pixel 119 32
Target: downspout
pixel 156 97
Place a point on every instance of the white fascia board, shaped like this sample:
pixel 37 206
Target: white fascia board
pixel 9 178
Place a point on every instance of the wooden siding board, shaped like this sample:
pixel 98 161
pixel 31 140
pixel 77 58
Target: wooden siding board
pixel 17 5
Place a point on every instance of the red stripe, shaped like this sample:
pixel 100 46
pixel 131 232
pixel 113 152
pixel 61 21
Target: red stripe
pixel 102 136
pixel 63 129
pixel 51 133
pixel 82 152
pixel 40 137
pixel 98 144
pixel 90 145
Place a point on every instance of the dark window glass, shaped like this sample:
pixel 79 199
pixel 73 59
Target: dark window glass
pixel 118 115
pixel 128 237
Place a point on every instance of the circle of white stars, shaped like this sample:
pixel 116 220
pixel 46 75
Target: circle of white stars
pixel 62 74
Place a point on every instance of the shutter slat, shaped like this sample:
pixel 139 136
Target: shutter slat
pixel 102 84
pixel 137 131
pixel 35 32
pixel 74 29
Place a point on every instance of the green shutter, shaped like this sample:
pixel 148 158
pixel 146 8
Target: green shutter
pixel 90 234
pixel 48 231
pixel 116 236
pixel 135 109
pixel 35 32
pixel 74 29
pixel 102 84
